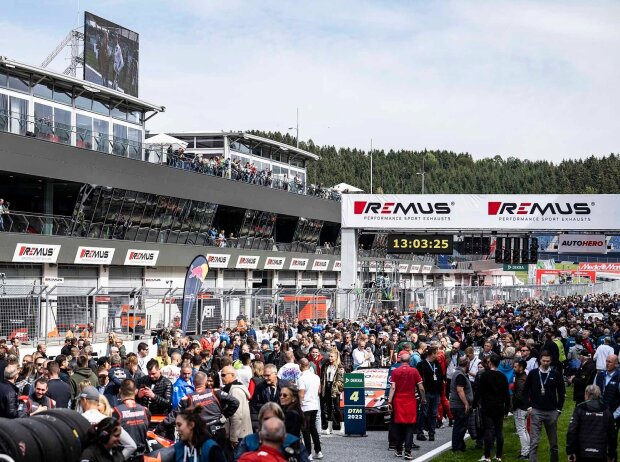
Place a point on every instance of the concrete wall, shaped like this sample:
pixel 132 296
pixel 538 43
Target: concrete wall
pixel 169 254
pixel 31 156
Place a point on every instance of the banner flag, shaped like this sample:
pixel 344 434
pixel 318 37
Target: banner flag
pixel 195 277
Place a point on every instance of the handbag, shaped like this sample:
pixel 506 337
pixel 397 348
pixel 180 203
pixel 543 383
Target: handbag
pixel 474 423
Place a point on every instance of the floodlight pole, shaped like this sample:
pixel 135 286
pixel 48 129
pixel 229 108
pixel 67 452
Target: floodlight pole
pixel 423 173
pixel 297 128
pixel 370 165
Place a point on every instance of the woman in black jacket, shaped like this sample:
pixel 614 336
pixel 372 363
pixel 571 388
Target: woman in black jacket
pixel 293 415
pixel 106 447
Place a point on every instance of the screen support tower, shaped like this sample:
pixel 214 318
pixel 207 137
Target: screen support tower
pixel 75 40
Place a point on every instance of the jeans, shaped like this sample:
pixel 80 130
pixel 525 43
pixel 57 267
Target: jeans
pixel 459 429
pixel 493 431
pixel 310 433
pixel 520 417
pixel 405 433
pixel 428 414
pixel 550 420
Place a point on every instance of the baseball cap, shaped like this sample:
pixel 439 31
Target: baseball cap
pixel 90 393
pixel 403 353
pixel 265 342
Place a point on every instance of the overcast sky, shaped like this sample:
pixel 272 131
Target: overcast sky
pixel 532 79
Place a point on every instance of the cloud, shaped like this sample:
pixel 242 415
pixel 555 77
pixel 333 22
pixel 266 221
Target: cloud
pixel 528 79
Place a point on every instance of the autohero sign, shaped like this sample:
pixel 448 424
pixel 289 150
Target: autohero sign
pixel 582 243
pixel 247 262
pixel 139 257
pixel 218 260
pixel 479 211
pixel 94 256
pixel 36 253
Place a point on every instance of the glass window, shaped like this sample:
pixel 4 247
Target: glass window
pixel 134 116
pixel 62 125
pixel 43 121
pixel 4 112
pixel 44 90
pixel 120 145
pixel 210 142
pixel 3 79
pixel 101 108
pixel 19 83
pixel 135 143
pixel 119 112
pixel 101 133
pixel 84 102
pixel 19 115
pixel 84 131
pixel 63 95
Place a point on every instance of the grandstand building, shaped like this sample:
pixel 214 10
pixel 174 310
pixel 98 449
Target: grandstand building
pixel 93 202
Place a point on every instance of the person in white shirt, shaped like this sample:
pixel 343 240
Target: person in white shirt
pixel 362 356
pixel 290 372
pixel 172 371
pixel 309 384
pixel 143 357
pixel 245 373
pixel 601 354
pixel 89 402
pixel 532 363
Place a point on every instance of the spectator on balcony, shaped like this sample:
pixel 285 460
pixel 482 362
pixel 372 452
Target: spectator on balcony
pixel 4 210
pixel 221 239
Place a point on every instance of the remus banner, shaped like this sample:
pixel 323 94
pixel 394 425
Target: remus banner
pixel 479 212
pixel 195 277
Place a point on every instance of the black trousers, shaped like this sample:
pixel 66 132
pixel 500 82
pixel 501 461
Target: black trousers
pixel 311 433
pixel 493 432
pixel 459 429
pixel 404 434
pixel 332 405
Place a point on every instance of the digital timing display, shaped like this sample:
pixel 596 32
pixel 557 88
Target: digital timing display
pixel 420 243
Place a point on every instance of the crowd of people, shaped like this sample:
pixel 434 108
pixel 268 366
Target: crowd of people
pixel 233 393
pixel 247 172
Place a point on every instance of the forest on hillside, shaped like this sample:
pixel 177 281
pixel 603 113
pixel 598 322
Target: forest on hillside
pixel 450 172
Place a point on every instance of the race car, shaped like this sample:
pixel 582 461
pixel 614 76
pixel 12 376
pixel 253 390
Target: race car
pixel 375 383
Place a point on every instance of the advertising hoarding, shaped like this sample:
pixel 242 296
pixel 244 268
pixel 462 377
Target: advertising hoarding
pixel 479 211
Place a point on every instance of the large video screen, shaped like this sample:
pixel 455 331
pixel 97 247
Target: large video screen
pixel 110 55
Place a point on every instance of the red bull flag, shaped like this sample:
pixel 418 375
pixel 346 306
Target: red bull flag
pixel 195 277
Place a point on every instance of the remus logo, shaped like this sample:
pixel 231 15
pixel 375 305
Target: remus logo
pixel 36 253
pixel 94 254
pixel 140 257
pixel 392 208
pixel 26 251
pixel 541 208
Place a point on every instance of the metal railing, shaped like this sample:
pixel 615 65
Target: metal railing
pixel 40 313
pixel 47 130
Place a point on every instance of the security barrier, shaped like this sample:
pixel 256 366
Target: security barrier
pixel 39 313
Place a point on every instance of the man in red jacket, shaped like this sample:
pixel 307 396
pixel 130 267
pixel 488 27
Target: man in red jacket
pixel 403 402
pixel 272 436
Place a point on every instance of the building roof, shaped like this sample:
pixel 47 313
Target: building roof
pixel 88 86
pixel 250 136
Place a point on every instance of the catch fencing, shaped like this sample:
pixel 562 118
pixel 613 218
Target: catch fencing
pixel 40 313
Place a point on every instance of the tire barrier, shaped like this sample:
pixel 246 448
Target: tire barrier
pixel 55 435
